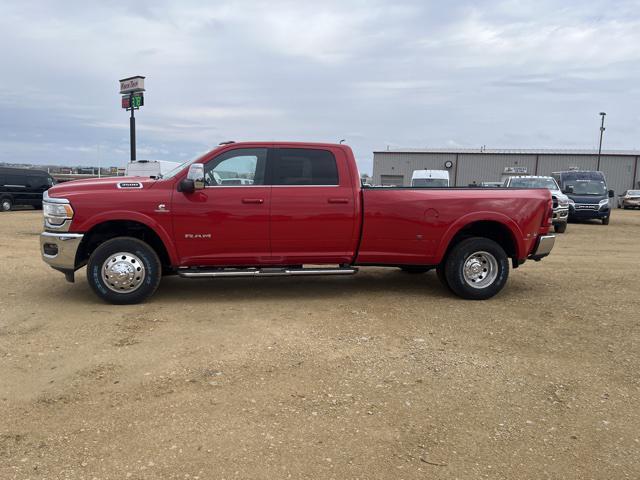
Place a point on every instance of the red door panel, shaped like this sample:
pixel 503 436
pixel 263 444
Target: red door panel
pixel 226 223
pixel 311 223
pixel 223 225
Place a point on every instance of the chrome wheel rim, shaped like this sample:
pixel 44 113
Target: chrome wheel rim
pixel 6 205
pixel 123 272
pixel 480 269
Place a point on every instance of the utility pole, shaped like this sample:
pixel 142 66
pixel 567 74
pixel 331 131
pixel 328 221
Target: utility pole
pixel 602 129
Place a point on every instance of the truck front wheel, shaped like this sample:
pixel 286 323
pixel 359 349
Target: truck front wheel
pixel 477 268
pixel 124 270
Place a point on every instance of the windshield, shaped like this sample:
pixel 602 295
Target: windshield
pixel 179 168
pixel 588 187
pixel 172 173
pixel 549 183
pixel 633 193
pixel 430 182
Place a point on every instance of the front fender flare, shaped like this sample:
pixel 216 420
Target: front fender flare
pixel 124 215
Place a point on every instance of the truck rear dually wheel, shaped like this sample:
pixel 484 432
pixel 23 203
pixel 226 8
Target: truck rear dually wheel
pixel 477 268
pixel 124 270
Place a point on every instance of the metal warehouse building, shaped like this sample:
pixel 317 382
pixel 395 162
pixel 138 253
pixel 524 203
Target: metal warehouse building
pixel 466 166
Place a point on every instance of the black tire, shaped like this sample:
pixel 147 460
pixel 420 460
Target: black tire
pixel 151 268
pixel 415 269
pixel 440 272
pixel 605 221
pixel 560 227
pixel 489 255
pixel 6 204
pixel 625 207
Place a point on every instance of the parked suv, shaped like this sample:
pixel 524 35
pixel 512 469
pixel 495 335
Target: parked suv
pixel 560 200
pixel 588 194
pixel 22 186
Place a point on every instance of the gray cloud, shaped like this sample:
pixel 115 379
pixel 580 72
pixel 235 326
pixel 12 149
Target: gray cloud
pixel 411 73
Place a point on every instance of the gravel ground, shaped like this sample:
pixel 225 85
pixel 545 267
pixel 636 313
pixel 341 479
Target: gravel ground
pixel 381 375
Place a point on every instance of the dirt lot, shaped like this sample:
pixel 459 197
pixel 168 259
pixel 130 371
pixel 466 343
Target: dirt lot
pixel 381 375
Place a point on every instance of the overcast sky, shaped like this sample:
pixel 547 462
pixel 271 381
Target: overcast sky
pixel 376 73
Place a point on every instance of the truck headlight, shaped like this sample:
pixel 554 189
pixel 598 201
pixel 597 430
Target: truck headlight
pixel 603 203
pixel 56 214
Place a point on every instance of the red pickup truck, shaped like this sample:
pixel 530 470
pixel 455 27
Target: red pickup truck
pixel 276 208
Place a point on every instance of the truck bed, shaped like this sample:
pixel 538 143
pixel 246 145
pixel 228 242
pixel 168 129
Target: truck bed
pixel 413 225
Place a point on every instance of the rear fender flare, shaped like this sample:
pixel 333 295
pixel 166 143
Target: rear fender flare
pixel 462 222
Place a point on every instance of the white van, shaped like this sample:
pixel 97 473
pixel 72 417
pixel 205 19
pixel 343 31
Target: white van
pixel 430 178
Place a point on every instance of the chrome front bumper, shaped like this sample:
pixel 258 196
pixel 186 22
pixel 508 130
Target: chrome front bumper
pixel 543 247
pixel 59 249
pixel 561 215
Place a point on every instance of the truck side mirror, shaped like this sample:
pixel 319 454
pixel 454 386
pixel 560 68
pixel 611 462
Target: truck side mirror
pixel 569 189
pixel 186 186
pixel 611 194
pixel 194 180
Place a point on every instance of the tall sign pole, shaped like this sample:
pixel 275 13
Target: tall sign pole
pixel 132 129
pixel 131 89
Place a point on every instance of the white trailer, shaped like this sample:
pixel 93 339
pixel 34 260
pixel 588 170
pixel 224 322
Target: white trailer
pixel 149 168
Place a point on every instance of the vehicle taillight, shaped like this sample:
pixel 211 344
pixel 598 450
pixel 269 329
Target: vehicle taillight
pixel 550 213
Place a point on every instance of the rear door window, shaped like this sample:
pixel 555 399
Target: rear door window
pixel 17 180
pixel 301 166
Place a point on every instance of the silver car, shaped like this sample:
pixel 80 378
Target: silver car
pixel 629 199
pixel 560 200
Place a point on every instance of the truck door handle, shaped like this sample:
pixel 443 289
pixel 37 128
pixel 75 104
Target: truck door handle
pixel 338 200
pixel 252 200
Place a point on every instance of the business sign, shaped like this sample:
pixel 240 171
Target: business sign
pixel 132 84
pixel 515 170
pixel 136 100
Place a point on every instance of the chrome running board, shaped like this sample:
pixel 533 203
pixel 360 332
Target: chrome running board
pixel 264 272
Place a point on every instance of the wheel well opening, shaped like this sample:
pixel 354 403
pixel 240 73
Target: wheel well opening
pixel 120 228
pixel 495 231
